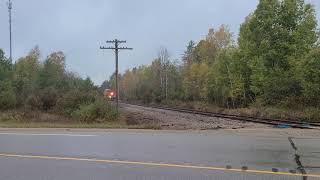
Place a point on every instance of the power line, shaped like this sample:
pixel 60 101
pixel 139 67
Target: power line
pixel 116 47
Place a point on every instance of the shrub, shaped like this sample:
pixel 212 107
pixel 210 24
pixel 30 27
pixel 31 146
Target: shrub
pixel 310 78
pixel 48 97
pixel 71 101
pixel 99 110
pixel 44 99
pixel 33 102
pixel 7 95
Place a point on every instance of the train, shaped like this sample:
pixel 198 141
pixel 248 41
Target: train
pixel 109 94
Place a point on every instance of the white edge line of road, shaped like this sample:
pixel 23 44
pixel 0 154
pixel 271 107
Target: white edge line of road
pixel 39 134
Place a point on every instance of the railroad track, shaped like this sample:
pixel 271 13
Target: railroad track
pixel 269 121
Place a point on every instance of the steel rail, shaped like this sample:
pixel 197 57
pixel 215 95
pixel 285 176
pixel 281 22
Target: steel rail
pixel 269 121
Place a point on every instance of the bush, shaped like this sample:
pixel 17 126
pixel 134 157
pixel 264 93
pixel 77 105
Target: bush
pixel 280 86
pixel 48 97
pixel 33 102
pixel 7 95
pixel 100 110
pixel 71 101
pixel 310 78
pixel 44 99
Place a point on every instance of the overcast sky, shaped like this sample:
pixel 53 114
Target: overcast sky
pixel 79 27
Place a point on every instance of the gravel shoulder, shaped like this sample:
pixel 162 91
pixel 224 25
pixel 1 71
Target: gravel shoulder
pixel 166 119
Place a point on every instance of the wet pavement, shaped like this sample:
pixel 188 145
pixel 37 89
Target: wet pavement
pixel 178 150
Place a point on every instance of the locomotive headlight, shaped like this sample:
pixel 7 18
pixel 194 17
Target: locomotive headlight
pixel 111 93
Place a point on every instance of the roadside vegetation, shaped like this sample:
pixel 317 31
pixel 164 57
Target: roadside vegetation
pixel 42 91
pixel 272 69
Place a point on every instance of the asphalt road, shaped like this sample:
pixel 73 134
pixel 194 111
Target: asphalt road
pixel 154 155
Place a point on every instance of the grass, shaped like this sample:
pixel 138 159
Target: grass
pixel 73 125
pixel 299 113
pixel 15 119
pixel 17 124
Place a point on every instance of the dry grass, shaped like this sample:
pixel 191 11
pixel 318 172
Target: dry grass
pixel 307 114
pixel 36 119
pixel 303 114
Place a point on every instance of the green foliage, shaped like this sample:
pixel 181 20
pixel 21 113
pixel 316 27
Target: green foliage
pixel 47 86
pixel 33 102
pixel 97 110
pixel 310 77
pixel 275 62
pixel 53 71
pixel 274 39
pixel 280 86
pixel 188 56
pixel 7 95
pixel 48 97
pixel 5 67
pixel 25 75
pixel 201 61
pixel 71 100
pixel 226 82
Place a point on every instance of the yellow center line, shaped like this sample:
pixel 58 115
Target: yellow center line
pixel 157 164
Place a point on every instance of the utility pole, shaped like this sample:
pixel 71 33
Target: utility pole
pixel 116 47
pixel 9 9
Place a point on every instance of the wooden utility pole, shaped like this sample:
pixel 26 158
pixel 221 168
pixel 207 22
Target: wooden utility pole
pixel 116 48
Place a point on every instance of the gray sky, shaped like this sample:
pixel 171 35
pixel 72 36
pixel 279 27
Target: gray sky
pixel 79 27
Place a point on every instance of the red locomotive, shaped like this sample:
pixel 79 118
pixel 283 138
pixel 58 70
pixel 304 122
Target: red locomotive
pixel 109 94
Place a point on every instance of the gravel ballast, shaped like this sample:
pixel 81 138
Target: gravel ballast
pixel 167 119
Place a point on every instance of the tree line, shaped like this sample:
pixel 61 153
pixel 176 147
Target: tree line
pixel 34 85
pixel 275 61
